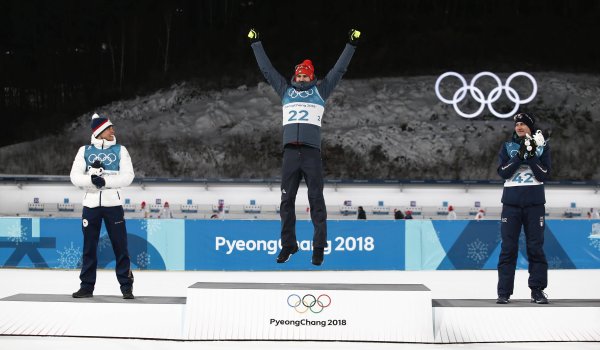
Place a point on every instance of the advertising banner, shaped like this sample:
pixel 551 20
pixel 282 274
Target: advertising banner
pixel 253 245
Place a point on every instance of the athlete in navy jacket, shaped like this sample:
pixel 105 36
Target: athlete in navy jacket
pixel 523 202
pixel 303 106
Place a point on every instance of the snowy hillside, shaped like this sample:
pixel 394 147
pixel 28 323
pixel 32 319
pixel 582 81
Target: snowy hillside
pixel 377 128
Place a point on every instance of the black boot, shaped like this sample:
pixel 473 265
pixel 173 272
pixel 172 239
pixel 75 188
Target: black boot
pixel 538 296
pixel 318 255
pixel 83 293
pixel 502 299
pixel 286 253
pixel 128 293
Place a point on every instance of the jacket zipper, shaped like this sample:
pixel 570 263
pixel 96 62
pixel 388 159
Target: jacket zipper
pixel 100 204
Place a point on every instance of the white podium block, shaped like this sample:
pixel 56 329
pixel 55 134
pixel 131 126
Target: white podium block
pixel 100 316
pixel 477 320
pixel 341 312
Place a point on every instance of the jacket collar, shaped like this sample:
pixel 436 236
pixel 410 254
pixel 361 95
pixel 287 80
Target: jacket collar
pixel 304 85
pixel 102 143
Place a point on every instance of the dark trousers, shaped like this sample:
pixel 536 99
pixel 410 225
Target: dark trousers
pixel 115 227
pixel 532 219
pixel 302 162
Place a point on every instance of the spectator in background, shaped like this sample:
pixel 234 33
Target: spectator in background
pixel 362 215
pixel 398 215
pixel 595 215
pixel 451 213
pixel 166 212
pixel 144 211
pixel 408 215
pixel 480 215
pixel 214 216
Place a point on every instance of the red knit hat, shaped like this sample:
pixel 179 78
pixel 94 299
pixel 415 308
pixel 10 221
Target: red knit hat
pixel 307 68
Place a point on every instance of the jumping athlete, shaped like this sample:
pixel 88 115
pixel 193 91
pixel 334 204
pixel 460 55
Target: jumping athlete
pixel 303 106
pixel 525 165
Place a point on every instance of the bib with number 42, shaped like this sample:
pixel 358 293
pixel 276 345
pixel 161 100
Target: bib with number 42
pixel 522 177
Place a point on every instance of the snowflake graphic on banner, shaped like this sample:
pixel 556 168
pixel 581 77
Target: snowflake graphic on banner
pixel 156 227
pixel 143 260
pixel 477 251
pixel 594 236
pixel 16 234
pixel 554 262
pixel 70 257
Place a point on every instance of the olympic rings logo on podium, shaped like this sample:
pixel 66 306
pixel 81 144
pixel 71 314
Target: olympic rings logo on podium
pixel 309 302
pixel 488 100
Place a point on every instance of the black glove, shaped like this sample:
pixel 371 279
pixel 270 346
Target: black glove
pixel 97 164
pixel 353 37
pixel 98 181
pixel 530 148
pixel 522 150
pixel 253 36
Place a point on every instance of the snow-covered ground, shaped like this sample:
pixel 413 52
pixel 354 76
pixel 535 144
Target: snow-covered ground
pixel 373 128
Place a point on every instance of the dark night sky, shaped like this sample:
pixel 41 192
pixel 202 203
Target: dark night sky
pixel 61 58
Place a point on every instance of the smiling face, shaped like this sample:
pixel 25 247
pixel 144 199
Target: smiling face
pixel 108 134
pixel 522 129
pixel 302 77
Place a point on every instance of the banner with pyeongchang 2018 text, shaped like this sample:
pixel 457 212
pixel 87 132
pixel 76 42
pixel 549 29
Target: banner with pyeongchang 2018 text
pixel 235 245
pixel 254 245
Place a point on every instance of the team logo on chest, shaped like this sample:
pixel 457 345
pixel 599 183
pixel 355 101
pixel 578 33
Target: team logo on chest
pixel 104 158
pixel 293 93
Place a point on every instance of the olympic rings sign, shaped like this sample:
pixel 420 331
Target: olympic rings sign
pixel 309 302
pixel 488 100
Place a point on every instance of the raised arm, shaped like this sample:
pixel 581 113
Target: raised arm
pixel 335 74
pixel 276 80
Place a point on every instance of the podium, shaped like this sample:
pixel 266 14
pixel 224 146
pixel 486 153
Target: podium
pixel 297 311
pixel 403 313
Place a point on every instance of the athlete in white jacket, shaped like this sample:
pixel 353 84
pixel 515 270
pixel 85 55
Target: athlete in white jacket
pixel 101 169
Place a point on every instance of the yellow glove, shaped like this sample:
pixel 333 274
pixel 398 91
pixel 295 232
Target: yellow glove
pixel 353 36
pixel 253 35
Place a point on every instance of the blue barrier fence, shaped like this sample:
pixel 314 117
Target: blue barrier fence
pixel 253 245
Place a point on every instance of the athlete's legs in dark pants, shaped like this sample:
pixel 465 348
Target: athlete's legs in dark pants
pixel 299 161
pixel 312 169
pixel 513 218
pixel 115 227
pixel 290 180
pixel 534 225
pixel 91 224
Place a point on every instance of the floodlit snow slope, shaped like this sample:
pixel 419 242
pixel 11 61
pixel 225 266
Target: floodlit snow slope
pixel 376 128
